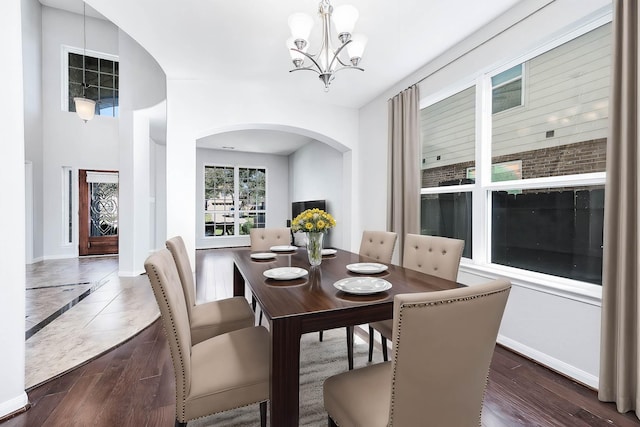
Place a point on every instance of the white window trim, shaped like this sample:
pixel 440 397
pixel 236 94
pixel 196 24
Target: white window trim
pixel 64 72
pixel 481 190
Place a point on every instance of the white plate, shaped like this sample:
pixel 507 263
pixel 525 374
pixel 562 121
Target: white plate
pixel 283 248
pixel 366 267
pixel 329 251
pixel 263 255
pixel 285 273
pixel 362 285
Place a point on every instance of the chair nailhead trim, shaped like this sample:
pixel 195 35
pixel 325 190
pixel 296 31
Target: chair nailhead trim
pixel 396 344
pixel 180 411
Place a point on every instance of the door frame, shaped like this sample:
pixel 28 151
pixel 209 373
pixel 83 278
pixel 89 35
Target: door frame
pixel 108 244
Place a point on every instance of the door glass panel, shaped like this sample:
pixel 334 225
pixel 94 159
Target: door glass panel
pixel 103 209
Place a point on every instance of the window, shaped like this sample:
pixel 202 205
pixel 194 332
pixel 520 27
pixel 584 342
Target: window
pixel 507 89
pixel 67 197
pixel 533 188
pixel 228 187
pixel 448 150
pixel 101 76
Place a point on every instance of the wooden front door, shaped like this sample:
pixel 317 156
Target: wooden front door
pixel 98 228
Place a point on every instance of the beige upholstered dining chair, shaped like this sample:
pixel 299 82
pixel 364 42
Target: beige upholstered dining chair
pixel 443 345
pixel 217 374
pixel 437 256
pixel 214 317
pixel 264 238
pixel 378 245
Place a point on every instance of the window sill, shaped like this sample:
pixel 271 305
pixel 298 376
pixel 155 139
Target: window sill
pixel 587 293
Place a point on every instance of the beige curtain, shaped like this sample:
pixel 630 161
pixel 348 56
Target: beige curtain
pixel 620 343
pixel 403 214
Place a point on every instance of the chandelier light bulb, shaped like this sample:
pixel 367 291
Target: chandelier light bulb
pixel 344 19
pixel 300 25
pixel 356 48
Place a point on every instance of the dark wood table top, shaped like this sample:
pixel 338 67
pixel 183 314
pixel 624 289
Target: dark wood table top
pixel 315 293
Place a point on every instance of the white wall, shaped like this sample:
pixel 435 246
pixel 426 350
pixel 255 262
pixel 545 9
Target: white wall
pixel 12 211
pixel 142 94
pixel 197 109
pixel 159 195
pixel 278 205
pixel 557 329
pixel 67 140
pixel 102 143
pixel 315 173
pixel 32 71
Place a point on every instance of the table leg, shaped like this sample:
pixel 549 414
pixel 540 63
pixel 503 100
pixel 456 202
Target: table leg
pixel 285 372
pixel 238 282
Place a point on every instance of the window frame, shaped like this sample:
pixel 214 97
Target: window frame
pixel 236 199
pixel 64 90
pixel 482 189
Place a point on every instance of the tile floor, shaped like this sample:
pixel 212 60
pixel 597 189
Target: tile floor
pixel 76 309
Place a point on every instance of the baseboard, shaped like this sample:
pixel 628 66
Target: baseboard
pixel 130 273
pixel 550 362
pixel 14 406
pixel 34 260
pixel 55 257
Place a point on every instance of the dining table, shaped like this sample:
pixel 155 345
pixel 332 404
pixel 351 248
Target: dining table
pixel 309 301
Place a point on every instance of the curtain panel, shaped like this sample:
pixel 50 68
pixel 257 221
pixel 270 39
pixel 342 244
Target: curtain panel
pixel 403 209
pixel 620 331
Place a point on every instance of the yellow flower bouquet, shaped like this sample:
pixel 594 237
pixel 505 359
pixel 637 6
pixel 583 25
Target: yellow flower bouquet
pixel 313 220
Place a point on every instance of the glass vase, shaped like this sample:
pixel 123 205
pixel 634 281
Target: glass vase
pixel 314 247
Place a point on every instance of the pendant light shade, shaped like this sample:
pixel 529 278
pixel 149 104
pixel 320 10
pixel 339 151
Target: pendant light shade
pixel 86 108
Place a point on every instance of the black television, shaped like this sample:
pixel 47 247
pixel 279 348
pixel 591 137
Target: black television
pixel 298 207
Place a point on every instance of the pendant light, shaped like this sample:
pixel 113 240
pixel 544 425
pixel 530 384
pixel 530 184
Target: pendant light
pixel 86 108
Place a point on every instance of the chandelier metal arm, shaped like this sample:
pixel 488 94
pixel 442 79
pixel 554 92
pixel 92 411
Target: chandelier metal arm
pixel 335 56
pixel 312 60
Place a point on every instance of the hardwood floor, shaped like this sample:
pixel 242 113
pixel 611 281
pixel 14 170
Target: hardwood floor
pixel 133 385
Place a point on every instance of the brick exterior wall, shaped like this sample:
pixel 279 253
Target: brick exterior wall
pixel 581 157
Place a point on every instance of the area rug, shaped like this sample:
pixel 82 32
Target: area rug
pixel 318 360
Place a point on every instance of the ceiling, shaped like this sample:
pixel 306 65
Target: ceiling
pixel 243 41
pixel 256 141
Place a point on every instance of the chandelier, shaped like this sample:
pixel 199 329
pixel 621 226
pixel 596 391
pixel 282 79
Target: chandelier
pixel 328 61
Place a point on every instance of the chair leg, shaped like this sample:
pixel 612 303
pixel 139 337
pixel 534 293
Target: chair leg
pixel 254 305
pixel 350 346
pixel 180 424
pixel 320 336
pixel 371 336
pixel 385 357
pixel 263 414
pixel 331 422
